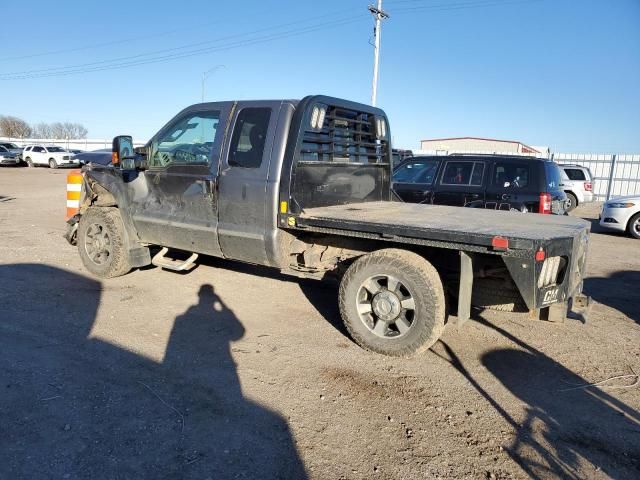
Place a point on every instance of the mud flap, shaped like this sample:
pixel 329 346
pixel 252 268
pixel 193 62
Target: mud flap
pixel 466 288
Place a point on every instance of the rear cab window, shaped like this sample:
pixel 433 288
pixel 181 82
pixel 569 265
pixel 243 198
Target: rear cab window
pixel 249 136
pixel 417 171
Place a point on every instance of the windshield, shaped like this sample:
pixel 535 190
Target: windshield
pixel 417 171
pixel 55 149
pixel 9 145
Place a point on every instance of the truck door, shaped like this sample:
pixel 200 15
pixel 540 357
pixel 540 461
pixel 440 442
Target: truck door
pixel 242 222
pixel 461 184
pixel 175 204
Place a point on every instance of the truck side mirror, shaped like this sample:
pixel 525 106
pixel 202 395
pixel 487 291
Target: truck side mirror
pixel 122 149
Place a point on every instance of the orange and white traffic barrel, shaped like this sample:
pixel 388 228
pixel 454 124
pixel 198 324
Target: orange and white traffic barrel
pixel 74 191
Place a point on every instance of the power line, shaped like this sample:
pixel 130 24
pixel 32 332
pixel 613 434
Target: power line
pixel 115 42
pixel 458 6
pixel 100 66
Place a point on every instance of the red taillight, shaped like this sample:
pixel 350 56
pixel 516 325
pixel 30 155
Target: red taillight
pixel 540 255
pixel 588 186
pixel 545 203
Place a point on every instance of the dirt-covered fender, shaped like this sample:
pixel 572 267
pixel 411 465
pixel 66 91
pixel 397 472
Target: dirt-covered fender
pixel 108 187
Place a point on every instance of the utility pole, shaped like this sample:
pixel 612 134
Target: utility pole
pixel 380 15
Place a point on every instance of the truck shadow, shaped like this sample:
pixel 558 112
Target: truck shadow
pixel 73 406
pixel 322 295
pixel 619 290
pixel 566 429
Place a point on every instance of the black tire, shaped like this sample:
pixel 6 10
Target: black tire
pixel 572 201
pixel 633 227
pixel 101 242
pixel 418 282
pixel 52 163
pixel 497 294
pixel 30 163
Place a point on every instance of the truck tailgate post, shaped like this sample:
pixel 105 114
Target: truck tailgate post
pixel 466 286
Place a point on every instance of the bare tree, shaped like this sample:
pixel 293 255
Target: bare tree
pixel 42 130
pixel 64 130
pixel 14 127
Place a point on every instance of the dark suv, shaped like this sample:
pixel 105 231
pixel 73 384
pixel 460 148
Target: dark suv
pixel 526 184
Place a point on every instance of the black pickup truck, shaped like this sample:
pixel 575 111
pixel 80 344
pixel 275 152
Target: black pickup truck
pixel 304 187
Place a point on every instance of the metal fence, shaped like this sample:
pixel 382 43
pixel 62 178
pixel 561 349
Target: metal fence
pixel 613 175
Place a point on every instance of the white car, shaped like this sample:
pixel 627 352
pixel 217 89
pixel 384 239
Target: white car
pixel 577 183
pixel 50 155
pixel 622 214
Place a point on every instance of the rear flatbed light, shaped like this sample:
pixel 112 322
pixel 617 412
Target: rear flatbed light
pixel 540 255
pixel 500 243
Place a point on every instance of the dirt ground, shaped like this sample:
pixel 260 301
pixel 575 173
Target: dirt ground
pixel 232 371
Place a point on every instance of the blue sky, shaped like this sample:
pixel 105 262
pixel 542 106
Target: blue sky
pixel 561 73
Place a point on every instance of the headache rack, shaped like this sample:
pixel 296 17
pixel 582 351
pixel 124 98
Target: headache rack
pixel 338 153
pixel 345 136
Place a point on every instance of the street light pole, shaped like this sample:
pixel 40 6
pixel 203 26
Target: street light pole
pixel 206 74
pixel 380 15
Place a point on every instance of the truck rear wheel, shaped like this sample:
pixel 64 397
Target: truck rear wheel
pixel 392 302
pixel 101 242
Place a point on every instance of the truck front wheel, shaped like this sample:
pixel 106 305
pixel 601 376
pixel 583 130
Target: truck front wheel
pixel 392 302
pixel 101 242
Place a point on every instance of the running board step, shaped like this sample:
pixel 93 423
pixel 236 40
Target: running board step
pixel 159 260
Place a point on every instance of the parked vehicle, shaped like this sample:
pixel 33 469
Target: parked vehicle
pixel 102 157
pixel 400 156
pixel 494 182
pixel 304 187
pixel 577 182
pixel 50 155
pixel 622 214
pixel 8 157
pixel 13 148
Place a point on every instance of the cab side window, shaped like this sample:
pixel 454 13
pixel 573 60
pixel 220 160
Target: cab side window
pixel 463 173
pixel 188 141
pixel 249 136
pixel 38 149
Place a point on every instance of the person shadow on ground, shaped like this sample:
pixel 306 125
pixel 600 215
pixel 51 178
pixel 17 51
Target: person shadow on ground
pixel 249 440
pixel 73 406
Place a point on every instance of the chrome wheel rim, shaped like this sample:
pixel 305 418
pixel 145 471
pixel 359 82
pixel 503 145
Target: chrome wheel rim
pixel 98 244
pixel 385 306
pixel 636 226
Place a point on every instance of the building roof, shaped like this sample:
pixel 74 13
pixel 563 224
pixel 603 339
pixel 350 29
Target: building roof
pixel 480 138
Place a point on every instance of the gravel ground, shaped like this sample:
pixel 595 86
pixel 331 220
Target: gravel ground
pixel 232 371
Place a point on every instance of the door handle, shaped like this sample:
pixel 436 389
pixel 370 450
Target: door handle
pixel 506 196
